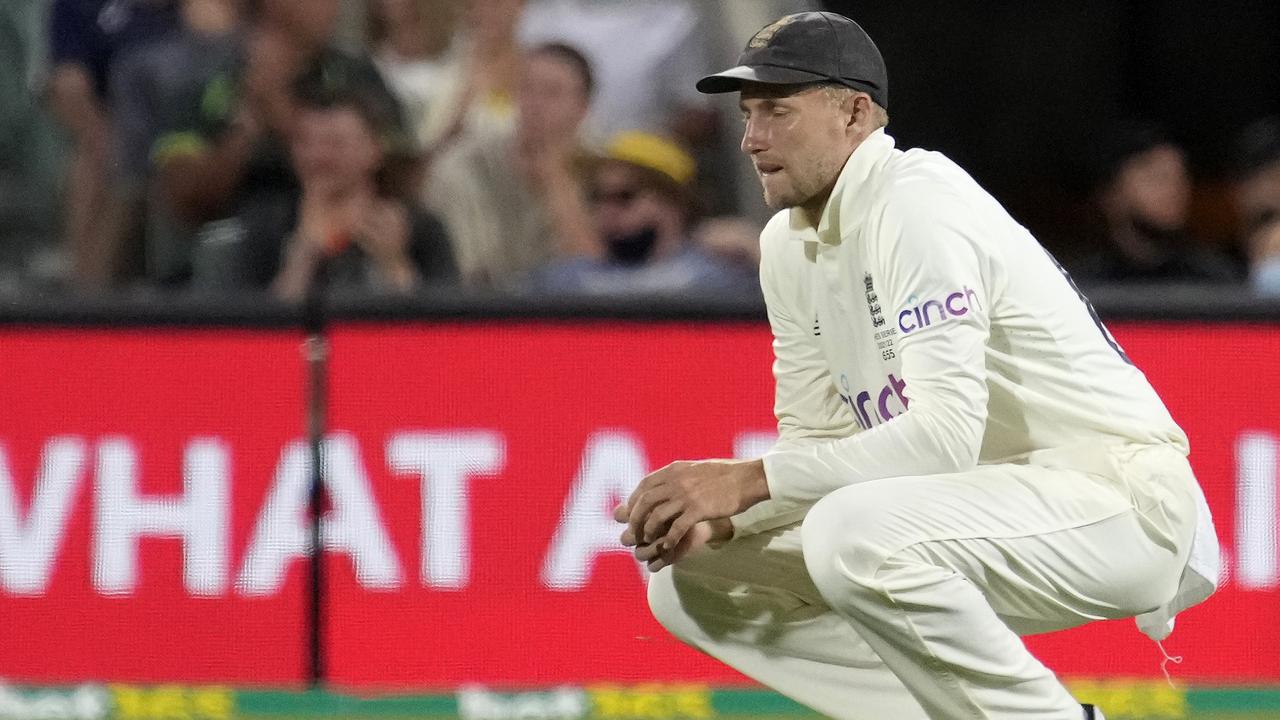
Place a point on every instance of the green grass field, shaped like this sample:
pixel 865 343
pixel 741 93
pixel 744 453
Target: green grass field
pixel 1121 699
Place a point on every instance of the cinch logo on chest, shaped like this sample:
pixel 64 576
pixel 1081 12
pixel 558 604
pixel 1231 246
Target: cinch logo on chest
pixel 922 315
pixel 868 411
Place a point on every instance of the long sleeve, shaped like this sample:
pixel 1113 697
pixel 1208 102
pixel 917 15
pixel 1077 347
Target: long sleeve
pixel 935 285
pixel 807 406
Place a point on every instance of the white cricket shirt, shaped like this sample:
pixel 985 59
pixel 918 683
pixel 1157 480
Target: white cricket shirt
pixel 917 291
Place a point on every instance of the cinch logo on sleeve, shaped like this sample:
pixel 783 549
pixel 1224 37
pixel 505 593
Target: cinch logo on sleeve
pixel 920 315
pixel 873 407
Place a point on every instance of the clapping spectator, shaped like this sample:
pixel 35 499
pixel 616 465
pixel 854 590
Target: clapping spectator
pixel 647 56
pixel 1258 202
pixel 512 198
pixel 419 47
pixel 1144 197
pixel 644 212
pixel 343 227
pixel 85 38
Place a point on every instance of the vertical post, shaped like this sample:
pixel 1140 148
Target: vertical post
pixel 316 349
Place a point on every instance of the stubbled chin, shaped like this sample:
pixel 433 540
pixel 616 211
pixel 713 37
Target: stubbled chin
pixel 775 197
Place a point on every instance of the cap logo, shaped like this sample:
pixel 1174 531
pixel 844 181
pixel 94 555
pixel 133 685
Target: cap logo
pixel 763 37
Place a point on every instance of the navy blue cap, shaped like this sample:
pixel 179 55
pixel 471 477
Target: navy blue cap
pixel 808 47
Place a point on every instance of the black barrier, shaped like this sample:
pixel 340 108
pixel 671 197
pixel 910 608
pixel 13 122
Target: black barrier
pixel 1149 303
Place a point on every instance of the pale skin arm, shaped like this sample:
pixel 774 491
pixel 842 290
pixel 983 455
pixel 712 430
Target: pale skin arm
pixel 686 505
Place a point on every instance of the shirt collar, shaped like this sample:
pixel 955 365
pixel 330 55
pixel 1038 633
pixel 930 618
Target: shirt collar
pixel 869 153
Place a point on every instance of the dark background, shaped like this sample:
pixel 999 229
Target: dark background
pixel 1019 93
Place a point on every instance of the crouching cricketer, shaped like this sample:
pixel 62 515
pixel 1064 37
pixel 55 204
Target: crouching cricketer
pixel 965 453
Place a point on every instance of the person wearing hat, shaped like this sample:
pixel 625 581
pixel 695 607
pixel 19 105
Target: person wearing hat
pixel 965 454
pixel 643 206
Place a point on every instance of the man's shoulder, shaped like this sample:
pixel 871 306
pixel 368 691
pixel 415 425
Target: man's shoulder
pixel 920 186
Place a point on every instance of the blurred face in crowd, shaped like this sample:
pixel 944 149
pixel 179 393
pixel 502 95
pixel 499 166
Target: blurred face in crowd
pixel 1258 201
pixel 1152 188
pixel 335 150
pixel 630 215
pixel 798 138
pixel 311 23
pixel 552 98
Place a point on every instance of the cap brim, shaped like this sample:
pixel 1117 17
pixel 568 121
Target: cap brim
pixel 733 79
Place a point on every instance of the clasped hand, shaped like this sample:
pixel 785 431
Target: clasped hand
pixel 686 505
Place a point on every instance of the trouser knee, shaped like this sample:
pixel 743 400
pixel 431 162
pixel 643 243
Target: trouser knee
pixel 667 608
pixel 840 552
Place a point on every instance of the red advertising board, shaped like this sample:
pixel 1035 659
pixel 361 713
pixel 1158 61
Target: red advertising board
pixel 472 468
pixel 97 430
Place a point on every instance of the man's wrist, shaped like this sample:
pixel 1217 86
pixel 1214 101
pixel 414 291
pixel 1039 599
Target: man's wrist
pixel 754 484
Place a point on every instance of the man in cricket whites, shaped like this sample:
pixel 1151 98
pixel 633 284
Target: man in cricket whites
pixel 966 455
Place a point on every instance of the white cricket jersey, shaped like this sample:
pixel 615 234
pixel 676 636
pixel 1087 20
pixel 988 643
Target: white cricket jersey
pixel 919 329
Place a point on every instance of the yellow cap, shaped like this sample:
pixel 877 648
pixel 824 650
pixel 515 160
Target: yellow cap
pixel 653 152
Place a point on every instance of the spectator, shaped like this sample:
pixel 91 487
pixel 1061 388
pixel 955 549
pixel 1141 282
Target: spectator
pixel 416 44
pixel 85 37
pixel 453 65
pixel 1257 197
pixel 1144 196
pixel 648 54
pixel 231 151
pixel 510 197
pixel 644 211
pixel 342 225
pixel 156 87
pixel 647 59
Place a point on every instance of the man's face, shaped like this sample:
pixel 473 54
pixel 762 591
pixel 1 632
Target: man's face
pixel 797 139
pixel 335 149
pixel 552 98
pixel 1155 188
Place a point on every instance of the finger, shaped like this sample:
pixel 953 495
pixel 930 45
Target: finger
pixel 678 530
pixel 657 565
pixel 640 509
pixel 629 538
pixel 645 485
pixel 660 519
pixel 621 513
pixel 645 553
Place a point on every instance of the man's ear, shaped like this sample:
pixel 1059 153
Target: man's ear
pixel 858 108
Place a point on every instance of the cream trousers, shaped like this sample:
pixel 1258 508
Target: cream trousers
pixel 904 598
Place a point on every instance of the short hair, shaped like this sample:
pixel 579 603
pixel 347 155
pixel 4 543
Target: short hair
pixel 838 93
pixel 573 57
pixel 335 81
pixel 1123 141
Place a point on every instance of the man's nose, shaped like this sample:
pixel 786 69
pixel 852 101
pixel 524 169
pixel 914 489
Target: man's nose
pixel 754 138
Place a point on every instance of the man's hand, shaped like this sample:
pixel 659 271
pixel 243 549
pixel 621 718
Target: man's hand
pixel 669 503
pixel 704 533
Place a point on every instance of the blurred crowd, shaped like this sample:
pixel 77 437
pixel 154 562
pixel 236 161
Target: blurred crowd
pixel 385 146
